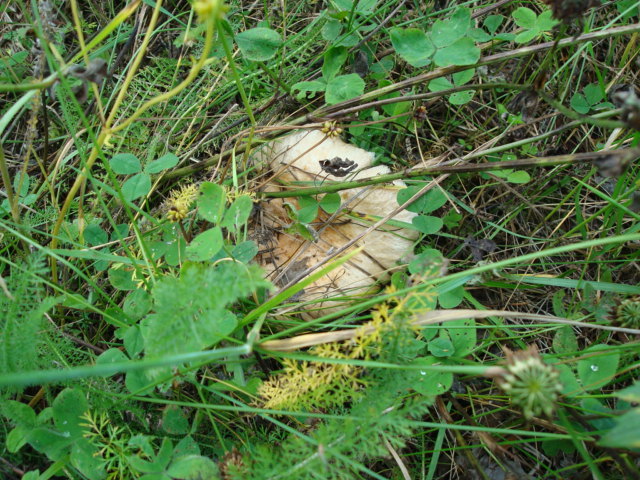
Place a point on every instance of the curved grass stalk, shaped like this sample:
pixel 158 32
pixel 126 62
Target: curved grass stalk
pixel 210 17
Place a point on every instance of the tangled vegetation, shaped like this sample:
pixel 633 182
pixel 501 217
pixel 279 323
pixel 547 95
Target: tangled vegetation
pixel 154 322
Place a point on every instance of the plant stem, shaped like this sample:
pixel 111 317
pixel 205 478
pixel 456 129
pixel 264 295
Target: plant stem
pixel 626 155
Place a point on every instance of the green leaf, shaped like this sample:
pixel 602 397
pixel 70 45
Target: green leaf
pixel 546 21
pixel 413 45
pixel 580 104
pixel 238 213
pixel 68 407
pixel 428 382
pixel 626 433
pixel 19 413
pixel 429 263
pixel 427 224
pixel 194 467
pixel 344 87
pixel 132 341
pixel 94 235
pixel 121 279
pixel 452 298
pixel 598 370
pixel 137 186
pixel 112 355
pixel 259 44
pixel 427 203
pixel 174 421
pixel 441 347
pixel 190 311
pixel 17 438
pixel 125 164
pixel 361 6
pixel 439 84
pixel 493 22
pixel 308 214
pixel 331 29
pixel 525 17
pixel 205 245
pixel 519 176
pixel 85 458
pixel 460 98
pixel 460 78
pixel 245 251
pixel 463 336
pixel 212 202
pixel 447 32
pixel 565 341
pixel 479 35
pixel 165 162
pixel 461 52
pixel 303 88
pixel 526 36
pixel 334 58
pixel 331 202
pixel 137 304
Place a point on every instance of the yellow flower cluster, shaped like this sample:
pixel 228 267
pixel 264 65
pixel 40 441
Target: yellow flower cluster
pixel 179 202
pixel 315 385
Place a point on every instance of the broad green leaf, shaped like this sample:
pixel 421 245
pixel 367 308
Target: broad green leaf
pixel 121 278
pixel 460 98
pixel 525 17
pixel 174 421
pixel 599 368
pixel 446 32
pixel 626 433
pixel 238 213
pixel 519 176
pixel 259 44
pixel 112 355
pixel 190 311
pixel 344 87
pixel 132 341
pixel 461 52
pixel 441 347
pixel 428 382
pixel 478 35
pixel 593 93
pixel 427 203
pixel 460 78
pixel 212 202
pixel 429 263
pixel 630 394
pixel 413 45
pixel 452 298
pixel 526 36
pixel 427 224
pixel 312 86
pixel 546 21
pixel 580 104
pixel 68 407
pixel 308 214
pixel 137 186
pixel 334 58
pixel 85 457
pixel 361 6
pixel 463 336
pixel 94 235
pixel 205 245
pixel 125 164
pixel 245 251
pixel 137 304
pixel 331 29
pixel 565 341
pixel 330 203
pixel 493 22
pixel 439 84
pixel 194 467
pixel 165 162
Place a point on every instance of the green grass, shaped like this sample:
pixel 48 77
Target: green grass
pixel 140 340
